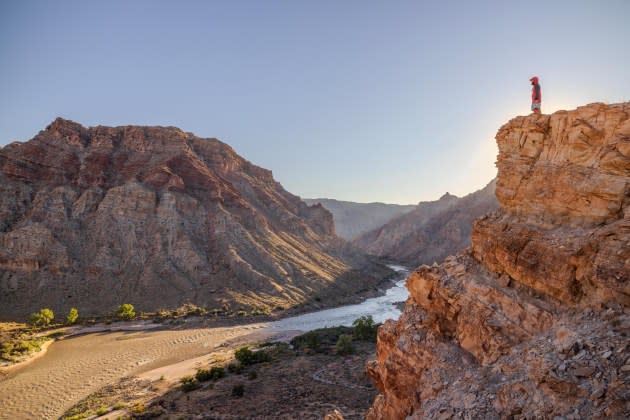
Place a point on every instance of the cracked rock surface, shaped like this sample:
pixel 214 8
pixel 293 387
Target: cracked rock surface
pixel 532 321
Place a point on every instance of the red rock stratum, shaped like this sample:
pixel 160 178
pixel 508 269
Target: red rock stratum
pixel 533 320
pixel 94 217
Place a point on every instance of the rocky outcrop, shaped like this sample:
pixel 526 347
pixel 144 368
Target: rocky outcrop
pixel 432 231
pixel 353 219
pixel 94 217
pixel 532 321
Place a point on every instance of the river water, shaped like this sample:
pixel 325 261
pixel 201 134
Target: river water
pixel 380 308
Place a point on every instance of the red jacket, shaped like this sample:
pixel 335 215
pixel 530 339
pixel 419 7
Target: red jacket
pixel 536 94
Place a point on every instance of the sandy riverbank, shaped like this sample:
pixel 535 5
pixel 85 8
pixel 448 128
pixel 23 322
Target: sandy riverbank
pixel 77 366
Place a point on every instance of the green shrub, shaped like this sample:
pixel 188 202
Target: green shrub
pixel 244 355
pixel 28 346
pixel 320 340
pixel 6 349
pixel 364 328
pixel 214 373
pixel 42 318
pixel 126 311
pixel 247 357
pixel 189 383
pixel 217 372
pixel 102 410
pixel 311 340
pixel 72 317
pixel 259 311
pixel 238 390
pixel 344 344
pixel 241 313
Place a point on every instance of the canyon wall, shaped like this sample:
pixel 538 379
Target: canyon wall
pixel 532 321
pixel 157 217
pixel 431 231
pixel 353 219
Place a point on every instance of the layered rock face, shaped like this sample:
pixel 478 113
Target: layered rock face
pixel 94 217
pixel 353 219
pixel 431 231
pixel 532 321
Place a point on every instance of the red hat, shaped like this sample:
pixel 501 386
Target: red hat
pixel 534 79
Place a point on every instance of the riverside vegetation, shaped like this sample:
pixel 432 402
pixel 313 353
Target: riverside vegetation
pixel 19 341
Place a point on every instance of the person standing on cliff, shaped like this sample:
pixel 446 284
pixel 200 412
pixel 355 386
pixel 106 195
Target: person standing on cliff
pixel 536 95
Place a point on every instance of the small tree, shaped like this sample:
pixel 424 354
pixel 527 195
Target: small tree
pixel 42 318
pixel 126 311
pixel 72 316
pixel 364 328
pixel 245 356
pixel 344 344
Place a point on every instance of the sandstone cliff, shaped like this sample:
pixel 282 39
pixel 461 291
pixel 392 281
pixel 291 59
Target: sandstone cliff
pixel 353 219
pixel 432 231
pixel 533 321
pixel 93 217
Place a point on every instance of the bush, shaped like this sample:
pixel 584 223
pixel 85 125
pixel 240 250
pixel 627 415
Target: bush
pixel 189 383
pixel 344 344
pixel 364 328
pixel 259 311
pixel 126 311
pixel 321 339
pixel 312 341
pixel 102 410
pixel 6 349
pixel 138 408
pixel 72 317
pixel 244 355
pixel 248 357
pixel 217 372
pixel 42 318
pixel 28 346
pixel 214 373
pixel 189 309
pixel 238 390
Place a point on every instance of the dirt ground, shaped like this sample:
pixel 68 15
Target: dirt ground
pixel 295 384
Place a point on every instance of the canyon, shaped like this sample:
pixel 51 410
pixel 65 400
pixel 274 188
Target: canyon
pixel 158 217
pixel 430 232
pixel 354 219
pixel 533 320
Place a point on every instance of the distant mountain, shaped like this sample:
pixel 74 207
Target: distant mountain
pixel 353 219
pixel 154 216
pixel 432 231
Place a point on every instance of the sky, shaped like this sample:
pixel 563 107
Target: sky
pixel 390 101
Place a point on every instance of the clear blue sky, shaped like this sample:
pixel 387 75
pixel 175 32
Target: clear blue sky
pixel 394 101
